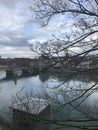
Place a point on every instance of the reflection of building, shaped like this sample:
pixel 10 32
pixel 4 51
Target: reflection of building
pixel 30 114
pixel 14 72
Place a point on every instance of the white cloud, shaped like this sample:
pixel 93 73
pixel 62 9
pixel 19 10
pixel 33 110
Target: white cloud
pixel 16 52
pixel 18 28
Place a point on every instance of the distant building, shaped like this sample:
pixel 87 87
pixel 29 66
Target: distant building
pixel 85 64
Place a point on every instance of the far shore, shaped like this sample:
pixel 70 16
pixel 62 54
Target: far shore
pixel 4 67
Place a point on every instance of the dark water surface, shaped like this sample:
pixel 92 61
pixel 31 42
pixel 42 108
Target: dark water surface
pixel 56 87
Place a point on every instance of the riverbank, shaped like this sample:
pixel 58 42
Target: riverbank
pixel 73 70
pixel 4 67
pixel 4 126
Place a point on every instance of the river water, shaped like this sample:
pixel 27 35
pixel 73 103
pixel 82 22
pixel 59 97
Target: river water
pixel 56 87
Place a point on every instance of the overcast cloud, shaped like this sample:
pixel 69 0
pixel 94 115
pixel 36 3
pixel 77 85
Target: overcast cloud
pixel 18 28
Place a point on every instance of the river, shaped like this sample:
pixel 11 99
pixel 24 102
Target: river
pixel 52 86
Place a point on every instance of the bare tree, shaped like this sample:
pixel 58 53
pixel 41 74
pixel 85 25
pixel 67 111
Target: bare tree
pixel 85 20
pixel 84 37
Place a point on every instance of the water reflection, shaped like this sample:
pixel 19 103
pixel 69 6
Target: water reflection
pixel 2 74
pixel 45 85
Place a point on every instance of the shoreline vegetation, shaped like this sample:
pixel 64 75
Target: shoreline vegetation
pixel 4 67
pixel 75 70
pixel 65 70
pixel 20 66
pixel 4 124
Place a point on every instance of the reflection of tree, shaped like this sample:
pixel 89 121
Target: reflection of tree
pixel 30 112
pixel 67 76
pixel 64 100
pixel 86 77
pixel 73 101
pixel 44 76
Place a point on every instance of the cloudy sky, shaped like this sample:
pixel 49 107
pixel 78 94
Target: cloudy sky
pixel 18 28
